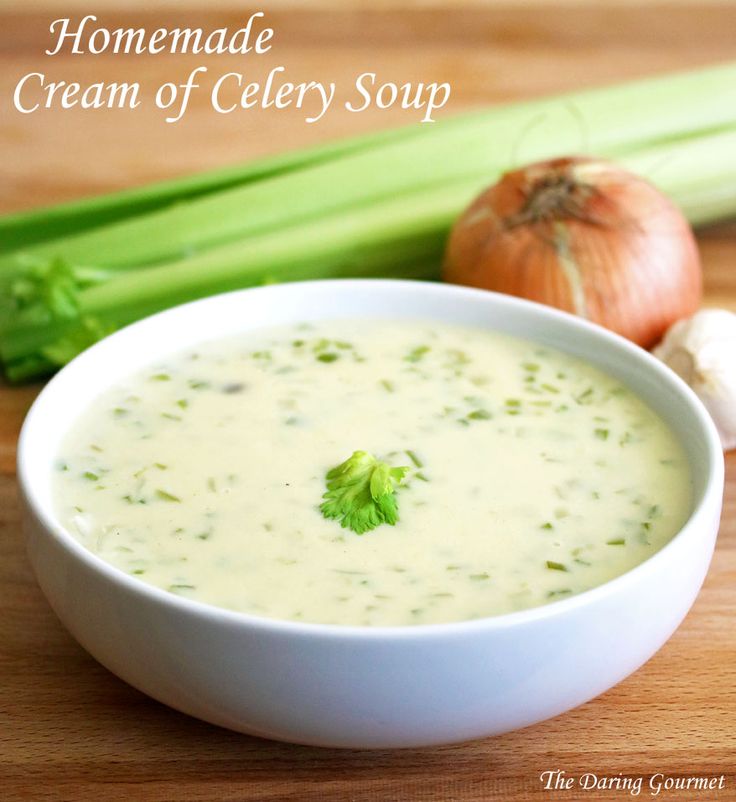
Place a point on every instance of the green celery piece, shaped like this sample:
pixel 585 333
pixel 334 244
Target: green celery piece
pixel 81 335
pixel 28 228
pixel 373 242
pixel 353 242
pixel 696 171
pixel 53 285
pixel 401 238
pixel 361 493
pixel 608 121
pixel 28 368
pixel 57 339
pixel 698 174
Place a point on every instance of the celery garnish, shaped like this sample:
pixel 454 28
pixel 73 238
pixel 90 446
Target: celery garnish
pixel 361 493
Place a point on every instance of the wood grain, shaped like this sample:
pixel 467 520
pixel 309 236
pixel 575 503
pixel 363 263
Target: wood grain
pixel 69 730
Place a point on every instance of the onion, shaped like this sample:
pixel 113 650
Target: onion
pixel 587 237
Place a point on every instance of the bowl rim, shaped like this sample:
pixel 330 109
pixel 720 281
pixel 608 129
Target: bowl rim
pixel 700 516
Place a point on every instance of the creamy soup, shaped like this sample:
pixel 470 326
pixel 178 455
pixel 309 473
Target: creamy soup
pixel 530 475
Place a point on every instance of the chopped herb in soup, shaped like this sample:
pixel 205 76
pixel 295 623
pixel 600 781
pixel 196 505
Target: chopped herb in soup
pixel 372 473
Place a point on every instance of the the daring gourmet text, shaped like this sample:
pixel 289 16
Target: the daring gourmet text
pixel 633 785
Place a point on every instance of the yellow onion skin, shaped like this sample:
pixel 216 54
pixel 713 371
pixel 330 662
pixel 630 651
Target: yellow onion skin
pixel 587 237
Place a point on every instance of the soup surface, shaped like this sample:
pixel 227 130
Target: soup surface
pixel 531 475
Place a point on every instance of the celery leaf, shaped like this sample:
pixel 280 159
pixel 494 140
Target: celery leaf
pixel 54 287
pixel 361 493
pixel 77 338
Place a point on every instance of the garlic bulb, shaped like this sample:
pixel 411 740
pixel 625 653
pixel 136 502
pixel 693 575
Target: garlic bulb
pixel 702 350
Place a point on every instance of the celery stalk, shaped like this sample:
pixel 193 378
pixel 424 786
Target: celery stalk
pixel 62 220
pixel 361 242
pixel 401 237
pixel 30 343
pixel 607 122
pixel 699 174
pixel 379 210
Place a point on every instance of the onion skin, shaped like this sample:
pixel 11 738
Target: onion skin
pixel 587 237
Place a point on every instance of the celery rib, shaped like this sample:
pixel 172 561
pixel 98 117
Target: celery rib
pixel 378 206
pixel 41 225
pixel 610 121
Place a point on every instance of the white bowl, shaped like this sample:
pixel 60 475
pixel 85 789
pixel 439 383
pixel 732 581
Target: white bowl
pixel 352 686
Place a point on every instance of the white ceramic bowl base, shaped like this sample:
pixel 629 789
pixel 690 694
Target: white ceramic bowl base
pixel 352 686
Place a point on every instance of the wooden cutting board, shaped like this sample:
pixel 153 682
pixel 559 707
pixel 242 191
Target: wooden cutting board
pixel 69 730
